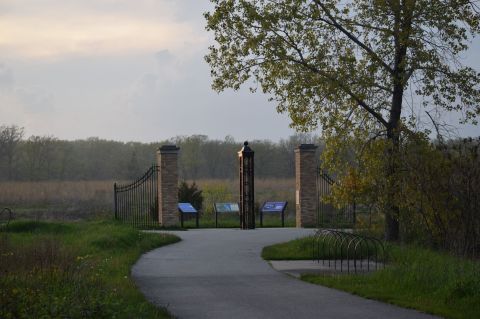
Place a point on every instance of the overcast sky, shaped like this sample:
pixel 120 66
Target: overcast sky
pixel 123 70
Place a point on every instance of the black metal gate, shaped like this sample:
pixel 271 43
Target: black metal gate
pixel 327 214
pixel 137 202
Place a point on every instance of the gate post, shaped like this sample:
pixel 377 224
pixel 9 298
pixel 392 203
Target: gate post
pixel 167 157
pixel 247 213
pixel 306 185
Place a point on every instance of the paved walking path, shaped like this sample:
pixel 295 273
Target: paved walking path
pixel 218 273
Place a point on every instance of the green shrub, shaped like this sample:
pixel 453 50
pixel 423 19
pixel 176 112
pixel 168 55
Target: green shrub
pixel 190 194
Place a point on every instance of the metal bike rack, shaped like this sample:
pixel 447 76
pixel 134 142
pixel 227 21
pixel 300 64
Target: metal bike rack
pixel 334 246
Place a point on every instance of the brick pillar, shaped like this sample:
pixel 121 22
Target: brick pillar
pixel 168 185
pixel 306 185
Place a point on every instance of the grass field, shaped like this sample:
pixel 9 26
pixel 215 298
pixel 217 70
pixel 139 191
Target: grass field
pixel 58 200
pixel 73 270
pixel 79 200
pixel 418 278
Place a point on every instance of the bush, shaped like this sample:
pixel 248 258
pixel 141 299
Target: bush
pixel 190 194
pixel 440 199
pixel 435 188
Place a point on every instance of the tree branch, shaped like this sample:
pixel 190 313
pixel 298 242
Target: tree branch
pixel 353 38
pixel 357 99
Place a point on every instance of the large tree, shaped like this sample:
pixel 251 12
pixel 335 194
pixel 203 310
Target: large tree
pixel 350 65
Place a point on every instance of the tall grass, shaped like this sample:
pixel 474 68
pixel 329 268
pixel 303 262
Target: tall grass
pixel 76 270
pixel 61 200
pixel 75 200
pixel 48 192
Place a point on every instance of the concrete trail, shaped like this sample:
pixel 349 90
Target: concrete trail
pixel 218 273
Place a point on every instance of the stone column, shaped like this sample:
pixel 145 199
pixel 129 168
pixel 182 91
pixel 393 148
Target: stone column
pixel 306 185
pixel 167 157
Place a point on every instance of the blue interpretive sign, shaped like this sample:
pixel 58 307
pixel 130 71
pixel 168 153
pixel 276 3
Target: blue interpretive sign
pixel 274 207
pixel 227 207
pixel 187 208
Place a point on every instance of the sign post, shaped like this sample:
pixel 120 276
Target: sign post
pixel 229 208
pixel 187 208
pixel 273 207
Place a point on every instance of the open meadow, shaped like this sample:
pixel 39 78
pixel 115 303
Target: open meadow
pixel 78 200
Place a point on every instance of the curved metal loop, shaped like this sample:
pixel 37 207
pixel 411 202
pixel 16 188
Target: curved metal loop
pixel 332 245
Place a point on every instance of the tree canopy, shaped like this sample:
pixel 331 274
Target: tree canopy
pixel 338 63
pixel 363 69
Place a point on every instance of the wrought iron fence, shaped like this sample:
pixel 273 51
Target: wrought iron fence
pixel 327 214
pixel 347 250
pixel 137 202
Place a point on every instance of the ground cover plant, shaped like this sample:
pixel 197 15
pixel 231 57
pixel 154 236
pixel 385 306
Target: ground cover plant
pixel 415 277
pixel 73 270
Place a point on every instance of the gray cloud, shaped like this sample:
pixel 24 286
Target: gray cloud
pixel 163 56
pixel 6 78
pixel 31 99
pixel 35 100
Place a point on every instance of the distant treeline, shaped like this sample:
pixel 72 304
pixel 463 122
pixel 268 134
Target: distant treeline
pixel 48 158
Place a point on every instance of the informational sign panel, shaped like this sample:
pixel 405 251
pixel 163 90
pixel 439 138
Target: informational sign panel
pixel 187 208
pixel 274 207
pixel 227 207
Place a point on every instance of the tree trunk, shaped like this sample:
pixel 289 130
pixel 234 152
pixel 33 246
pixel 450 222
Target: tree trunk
pixel 392 211
pixel 392 226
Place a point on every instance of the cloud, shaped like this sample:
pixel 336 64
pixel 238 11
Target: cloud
pixel 119 69
pixel 6 78
pixel 107 35
pixel 35 100
pixel 29 109
pixel 58 29
pixel 23 99
pixel 163 56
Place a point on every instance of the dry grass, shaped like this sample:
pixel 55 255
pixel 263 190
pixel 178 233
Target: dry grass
pixel 54 191
pixel 66 200
pixel 57 199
